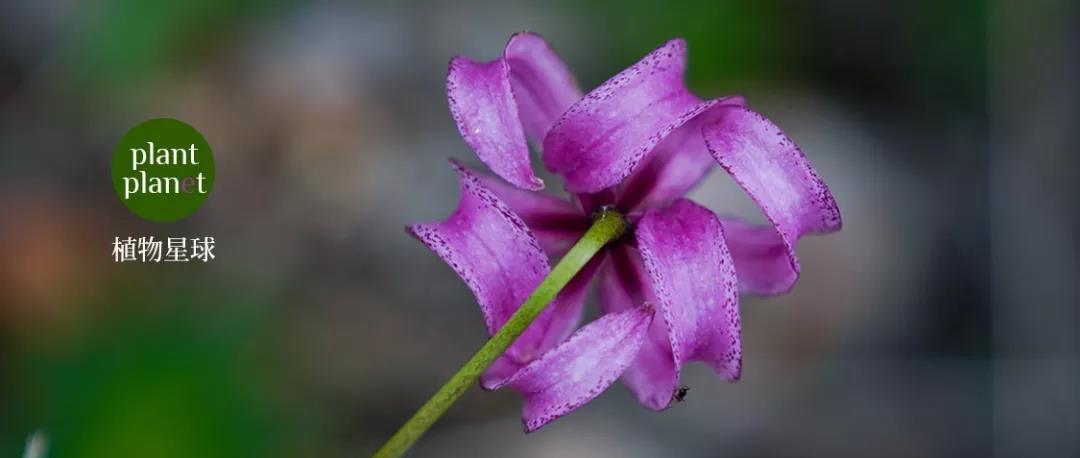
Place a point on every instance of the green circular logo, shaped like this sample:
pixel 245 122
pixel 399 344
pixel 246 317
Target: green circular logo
pixel 163 170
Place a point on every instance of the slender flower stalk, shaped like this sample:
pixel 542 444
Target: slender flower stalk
pixel 607 226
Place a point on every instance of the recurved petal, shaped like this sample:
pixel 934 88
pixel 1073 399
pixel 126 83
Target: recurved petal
pixel 567 308
pixel 623 285
pixel 496 103
pixel 482 103
pixel 556 222
pixel 675 166
pixel 496 375
pixel 601 139
pixel 543 85
pixel 765 262
pixel 693 279
pixel 489 247
pixel 582 367
pixel 557 322
pixel 775 173
pixel 493 251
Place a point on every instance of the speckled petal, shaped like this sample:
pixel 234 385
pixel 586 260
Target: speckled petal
pixel 496 103
pixel 775 173
pixel 493 251
pixel 765 263
pixel 599 141
pixel 543 85
pixel 496 375
pixel 693 280
pixel 556 221
pixel 622 286
pixel 582 367
pixel 558 321
pixel 675 166
pixel 570 303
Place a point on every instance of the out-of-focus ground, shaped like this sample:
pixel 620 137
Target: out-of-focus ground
pixel 942 320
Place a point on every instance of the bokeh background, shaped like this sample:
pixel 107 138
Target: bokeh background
pixel 942 321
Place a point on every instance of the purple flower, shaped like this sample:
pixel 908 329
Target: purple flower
pixel 668 289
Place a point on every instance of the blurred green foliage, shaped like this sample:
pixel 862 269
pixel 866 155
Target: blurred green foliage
pixel 946 45
pixel 162 375
pixel 118 42
pixel 729 40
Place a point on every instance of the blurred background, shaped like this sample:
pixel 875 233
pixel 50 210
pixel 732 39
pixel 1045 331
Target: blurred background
pixel 942 320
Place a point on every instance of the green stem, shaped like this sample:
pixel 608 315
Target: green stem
pixel 607 226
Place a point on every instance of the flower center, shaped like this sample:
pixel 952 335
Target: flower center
pixel 608 214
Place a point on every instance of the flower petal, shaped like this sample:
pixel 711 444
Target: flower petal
pixel 581 368
pixel 496 375
pixel 623 285
pixel 568 307
pixel 677 164
pixel 482 103
pixel 497 256
pixel 556 222
pixel 693 279
pixel 543 85
pixel 558 320
pixel 496 103
pixel 598 142
pixel 775 173
pixel 765 263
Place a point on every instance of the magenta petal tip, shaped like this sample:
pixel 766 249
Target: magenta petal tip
pixel 775 173
pixel 582 367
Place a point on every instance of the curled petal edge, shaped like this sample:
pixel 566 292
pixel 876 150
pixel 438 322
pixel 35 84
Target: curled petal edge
pixel 775 173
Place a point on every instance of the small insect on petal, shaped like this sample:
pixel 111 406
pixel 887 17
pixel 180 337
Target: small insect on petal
pixel 680 393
